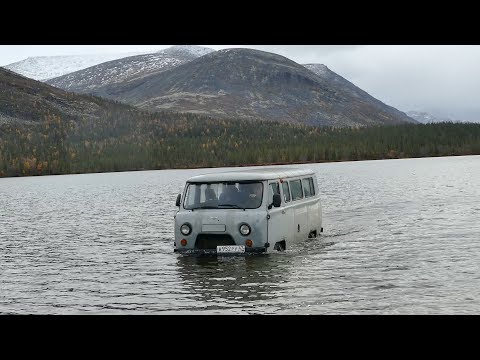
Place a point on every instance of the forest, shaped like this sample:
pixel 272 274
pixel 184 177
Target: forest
pixel 127 140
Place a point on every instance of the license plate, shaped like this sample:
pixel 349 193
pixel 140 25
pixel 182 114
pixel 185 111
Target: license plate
pixel 213 227
pixel 230 249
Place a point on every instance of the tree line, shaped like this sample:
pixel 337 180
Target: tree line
pixel 126 140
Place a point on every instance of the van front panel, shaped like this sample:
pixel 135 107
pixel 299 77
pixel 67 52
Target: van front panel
pixel 213 227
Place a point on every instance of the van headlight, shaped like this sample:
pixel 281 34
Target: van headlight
pixel 245 229
pixel 185 229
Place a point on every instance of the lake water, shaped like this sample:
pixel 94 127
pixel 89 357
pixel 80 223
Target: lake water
pixel 400 237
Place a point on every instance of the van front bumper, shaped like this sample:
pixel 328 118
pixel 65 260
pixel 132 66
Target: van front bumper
pixel 248 251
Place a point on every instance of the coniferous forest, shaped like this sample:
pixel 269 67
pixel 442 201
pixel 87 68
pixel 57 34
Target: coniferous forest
pixel 125 140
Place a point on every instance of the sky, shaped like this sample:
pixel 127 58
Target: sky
pixel 443 80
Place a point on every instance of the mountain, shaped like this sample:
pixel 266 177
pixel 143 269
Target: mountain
pixel 101 77
pixel 46 67
pixel 26 101
pixel 46 131
pixel 427 118
pixel 339 82
pixel 255 84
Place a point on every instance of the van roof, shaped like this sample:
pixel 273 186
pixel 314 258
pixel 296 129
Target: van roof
pixel 251 174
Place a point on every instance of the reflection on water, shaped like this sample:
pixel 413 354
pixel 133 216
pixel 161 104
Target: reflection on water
pixel 233 283
pixel 400 237
pixel 236 284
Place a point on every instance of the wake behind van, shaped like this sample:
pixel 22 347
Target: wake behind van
pixel 257 210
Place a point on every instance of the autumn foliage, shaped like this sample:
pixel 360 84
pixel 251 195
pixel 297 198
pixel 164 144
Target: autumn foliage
pixel 125 139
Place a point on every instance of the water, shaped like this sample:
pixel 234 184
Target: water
pixel 400 237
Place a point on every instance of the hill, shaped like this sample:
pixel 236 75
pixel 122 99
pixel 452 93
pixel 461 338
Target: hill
pixel 246 83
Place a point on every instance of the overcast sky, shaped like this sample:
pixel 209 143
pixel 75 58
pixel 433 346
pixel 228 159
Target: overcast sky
pixel 441 79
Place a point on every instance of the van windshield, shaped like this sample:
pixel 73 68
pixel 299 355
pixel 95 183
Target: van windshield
pixel 224 195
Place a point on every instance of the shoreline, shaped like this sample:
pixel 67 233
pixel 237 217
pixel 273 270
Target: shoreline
pixel 240 166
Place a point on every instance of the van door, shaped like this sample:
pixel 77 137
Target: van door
pixel 277 226
pixel 288 212
pixel 300 210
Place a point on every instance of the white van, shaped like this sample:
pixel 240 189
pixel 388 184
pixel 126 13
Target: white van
pixel 247 211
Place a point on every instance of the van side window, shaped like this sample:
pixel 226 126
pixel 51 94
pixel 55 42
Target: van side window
pixel 308 187
pixel 312 187
pixel 274 188
pixel 296 188
pixel 286 191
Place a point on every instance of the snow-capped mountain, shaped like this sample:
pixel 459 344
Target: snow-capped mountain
pixel 47 67
pixel 101 78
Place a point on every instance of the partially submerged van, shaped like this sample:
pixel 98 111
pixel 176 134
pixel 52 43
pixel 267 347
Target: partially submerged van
pixel 257 210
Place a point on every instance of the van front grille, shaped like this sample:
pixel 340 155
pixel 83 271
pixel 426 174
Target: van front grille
pixel 211 241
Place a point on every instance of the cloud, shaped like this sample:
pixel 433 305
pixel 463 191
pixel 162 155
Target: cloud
pixel 443 79
pixel 301 54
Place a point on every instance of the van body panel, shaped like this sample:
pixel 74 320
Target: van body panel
pixel 313 217
pixel 300 221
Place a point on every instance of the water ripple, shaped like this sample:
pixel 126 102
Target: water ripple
pixel 401 237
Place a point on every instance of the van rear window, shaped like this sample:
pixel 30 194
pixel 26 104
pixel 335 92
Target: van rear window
pixel 296 189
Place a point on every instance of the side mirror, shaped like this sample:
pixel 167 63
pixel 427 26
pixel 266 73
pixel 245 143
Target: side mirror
pixel 179 196
pixel 277 200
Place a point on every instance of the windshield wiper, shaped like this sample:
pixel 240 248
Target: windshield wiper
pixel 234 206
pixel 204 207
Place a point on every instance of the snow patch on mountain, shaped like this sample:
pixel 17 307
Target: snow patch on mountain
pixel 47 67
pixel 127 69
pixel 319 69
pixel 188 49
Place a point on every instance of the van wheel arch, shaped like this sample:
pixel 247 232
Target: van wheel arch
pixel 280 245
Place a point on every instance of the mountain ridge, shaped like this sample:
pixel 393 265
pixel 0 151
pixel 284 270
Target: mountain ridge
pixel 26 101
pixel 249 83
pixel 46 67
pixel 424 117
pixel 95 78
